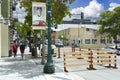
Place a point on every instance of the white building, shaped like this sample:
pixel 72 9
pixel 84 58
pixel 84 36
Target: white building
pixel 4 37
pixel 84 35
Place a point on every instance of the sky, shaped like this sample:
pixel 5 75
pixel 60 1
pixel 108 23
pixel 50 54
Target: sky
pixel 84 3
pixel 90 8
pixel 19 13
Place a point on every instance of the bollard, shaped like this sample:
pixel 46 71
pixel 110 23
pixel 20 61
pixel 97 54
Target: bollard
pixel 91 62
pixel 58 52
pixel 98 56
pixel 65 64
pixel 115 65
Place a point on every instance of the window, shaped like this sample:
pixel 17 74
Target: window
pixel 109 41
pixel 87 41
pixel 102 41
pixel 94 41
pixel 81 41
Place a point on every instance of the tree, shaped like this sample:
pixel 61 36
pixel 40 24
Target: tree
pixel 110 23
pixel 59 9
pixel 22 28
pixel 64 38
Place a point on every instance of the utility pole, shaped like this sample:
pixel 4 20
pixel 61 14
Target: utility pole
pixel 49 66
pixel 79 35
pixel 81 20
pixel 82 17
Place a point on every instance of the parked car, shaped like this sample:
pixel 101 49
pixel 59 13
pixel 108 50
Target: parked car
pixel 112 48
pixel 59 44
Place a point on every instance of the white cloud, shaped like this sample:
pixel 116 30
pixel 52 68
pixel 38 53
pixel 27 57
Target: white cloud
pixel 92 10
pixel 19 13
pixel 21 20
pixel 77 10
pixel 113 6
pixel 67 18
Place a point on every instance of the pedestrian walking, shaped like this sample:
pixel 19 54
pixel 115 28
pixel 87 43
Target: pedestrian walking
pixel 14 49
pixel 22 49
pixel 73 46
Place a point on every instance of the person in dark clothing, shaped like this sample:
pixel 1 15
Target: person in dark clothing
pixel 73 46
pixel 22 49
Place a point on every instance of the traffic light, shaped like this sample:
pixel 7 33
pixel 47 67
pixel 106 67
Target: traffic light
pixel 82 15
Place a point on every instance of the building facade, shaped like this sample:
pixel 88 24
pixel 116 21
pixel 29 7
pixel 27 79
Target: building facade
pixel 4 33
pixel 85 34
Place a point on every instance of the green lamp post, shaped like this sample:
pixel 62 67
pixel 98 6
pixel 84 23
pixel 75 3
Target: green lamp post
pixel 49 66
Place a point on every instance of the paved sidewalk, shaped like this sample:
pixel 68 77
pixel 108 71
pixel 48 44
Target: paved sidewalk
pixel 30 69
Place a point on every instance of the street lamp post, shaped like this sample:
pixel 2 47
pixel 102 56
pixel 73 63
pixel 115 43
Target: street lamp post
pixel 49 66
pixel 82 17
pixel 76 20
pixel 79 36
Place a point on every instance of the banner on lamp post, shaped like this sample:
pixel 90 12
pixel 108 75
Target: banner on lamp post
pixel 38 15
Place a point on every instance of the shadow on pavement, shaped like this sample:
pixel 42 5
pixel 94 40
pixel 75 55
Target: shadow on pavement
pixel 25 68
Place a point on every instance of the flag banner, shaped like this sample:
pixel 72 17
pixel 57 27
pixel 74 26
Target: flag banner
pixel 38 15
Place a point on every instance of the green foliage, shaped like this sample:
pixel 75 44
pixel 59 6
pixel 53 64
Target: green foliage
pixel 110 22
pixel 4 10
pixel 22 28
pixel 62 36
pixel 58 12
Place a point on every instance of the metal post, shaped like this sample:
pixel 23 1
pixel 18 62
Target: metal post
pixel 58 52
pixel 79 36
pixel 49 66
pixel 82 17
